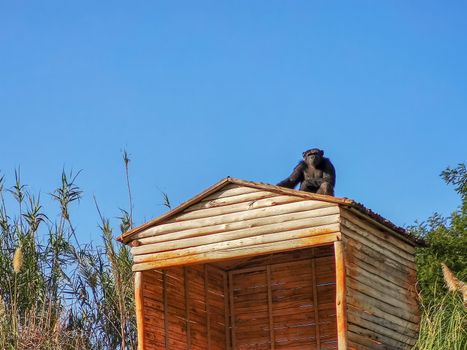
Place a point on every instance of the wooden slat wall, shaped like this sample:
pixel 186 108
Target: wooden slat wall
pixel 236 222
pixel 382 307
pixel 286 305
pixel 184 309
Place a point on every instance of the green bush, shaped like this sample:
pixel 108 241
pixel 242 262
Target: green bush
pixel 444 317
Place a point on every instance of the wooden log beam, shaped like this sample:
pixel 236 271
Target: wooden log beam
pixel 341 307
pixel 139 305
pixel 224 227
pixel 242 251
pixel 237 243
pixel 205 239
pixel 246 214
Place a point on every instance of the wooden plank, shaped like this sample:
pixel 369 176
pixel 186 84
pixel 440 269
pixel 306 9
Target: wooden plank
pixel 166 309
pixel 271 321
pixel 232 311
pixel 267 201
pixel 206 304
pixel 383 286
pixel 229 191
pixel 275 236
pixel 388 342
pixel 315 304
pixel 236 234
pixel 389 256
pixel 186 283
pixel 374 262
pixel 233 217
pixel 370 321
pixel 399 316
pixel 139 305
pixel 366 287
pixel 382 233
pixel 238 225
pixel 129 235
pixel 390 243
pixel 227 311
pixel 242 251
pixel 359 342
pixel 280 257
pixel 241 198
pixel 341 290
pixel 385 225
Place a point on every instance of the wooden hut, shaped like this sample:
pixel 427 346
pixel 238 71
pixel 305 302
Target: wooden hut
pixel 246 265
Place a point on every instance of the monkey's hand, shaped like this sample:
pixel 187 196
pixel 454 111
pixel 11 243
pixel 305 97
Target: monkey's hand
pixel 314 182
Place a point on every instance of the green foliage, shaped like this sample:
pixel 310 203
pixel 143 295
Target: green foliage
pixel 446 240
pixel 444 317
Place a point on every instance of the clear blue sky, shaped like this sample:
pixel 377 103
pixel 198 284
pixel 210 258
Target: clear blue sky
pixel 200 90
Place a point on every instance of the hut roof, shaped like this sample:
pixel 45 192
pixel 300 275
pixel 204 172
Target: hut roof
pixel 350 204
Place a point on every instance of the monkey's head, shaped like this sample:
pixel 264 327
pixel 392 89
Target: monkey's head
pixel 313 157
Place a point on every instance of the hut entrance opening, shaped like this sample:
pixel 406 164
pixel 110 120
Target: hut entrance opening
pixel 277 301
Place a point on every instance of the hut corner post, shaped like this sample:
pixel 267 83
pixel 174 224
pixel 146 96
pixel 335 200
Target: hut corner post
pixel 341 309
pixel 139 308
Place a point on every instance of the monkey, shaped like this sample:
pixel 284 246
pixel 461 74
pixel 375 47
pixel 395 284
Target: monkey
pixel 315 173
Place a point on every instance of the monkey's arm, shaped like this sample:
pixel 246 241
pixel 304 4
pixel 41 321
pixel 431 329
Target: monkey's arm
pixel 329 173
pixel 294 178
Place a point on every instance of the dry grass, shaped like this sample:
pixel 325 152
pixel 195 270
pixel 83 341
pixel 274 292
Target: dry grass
pixel 56 293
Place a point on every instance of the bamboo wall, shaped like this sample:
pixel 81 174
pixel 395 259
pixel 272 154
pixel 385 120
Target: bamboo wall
pixel 185 308
pixel 382 309
pixel 284 301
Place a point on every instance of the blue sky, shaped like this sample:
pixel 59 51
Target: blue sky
pixel 200 90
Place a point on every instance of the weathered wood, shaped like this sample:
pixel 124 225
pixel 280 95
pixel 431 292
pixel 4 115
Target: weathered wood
pixel 391 244
pixel 139 297
pixel 233 217
pixel 235 208
pixel 232 312
pixel 383 285
pixel 186 284
pixel 241 198
pixel 315 303
pixel 238 225
pixel 366 287
pixel 241 252
pixel 382 233
pixel 280 297
pixel 128 236
pixel 166 309
pixel 227 311
pixel 389 257
pixel 341 291
pixel 380 308
pixel 377 260
pixel 388 342
pixel 236 234
pixel 271 321
pixel 358 314
pixel 238 243
pixel 384 225
pixel 230 191
pixel 206 304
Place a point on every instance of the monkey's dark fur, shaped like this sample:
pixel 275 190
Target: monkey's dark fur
pixel 315 173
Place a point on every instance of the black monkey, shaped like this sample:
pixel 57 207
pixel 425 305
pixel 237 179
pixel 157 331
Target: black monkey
pixel 315 173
